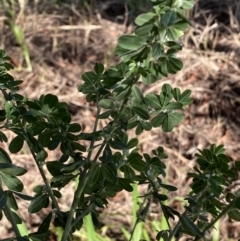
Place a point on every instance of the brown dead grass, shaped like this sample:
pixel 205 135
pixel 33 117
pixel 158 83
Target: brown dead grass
pixel 64 42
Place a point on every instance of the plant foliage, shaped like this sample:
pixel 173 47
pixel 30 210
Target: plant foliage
pixel 112 161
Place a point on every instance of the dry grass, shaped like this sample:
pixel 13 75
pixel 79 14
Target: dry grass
pixel 64 42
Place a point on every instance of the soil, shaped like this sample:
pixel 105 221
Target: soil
pixel 65 40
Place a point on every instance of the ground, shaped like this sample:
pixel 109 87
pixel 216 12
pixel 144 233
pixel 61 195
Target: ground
pixel 64 41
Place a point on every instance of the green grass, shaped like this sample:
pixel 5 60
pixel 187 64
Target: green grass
pixel 17 31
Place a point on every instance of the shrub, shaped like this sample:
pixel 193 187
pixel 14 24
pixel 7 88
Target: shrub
pixel 112 161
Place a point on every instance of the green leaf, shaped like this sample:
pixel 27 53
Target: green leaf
pixel 168 187
pixel 118 145
pixel 237 201
pixel 77 146
pixel 11 169
pixel 39 236
pixel 144 30
pixel 144 211
pixel 38 203
pixel 3 137
pixel 125 184
pixel 141 113
pixel 89 77
pixel 217 189
pixel 136 162
pixel 109 173
pixel 22 196
pixel 164 67
pixel 156 163
pixel 123 93
pixel 146 125
pixel 99 68
pixel 50 100
pixel 53 144
pixel 74 127
pixel 45 137
pixel 93 174
pixel 184 98
pixel 169 18
pixel 57 193
pixel 8 107
pixel 111 189
pixel 41 156
pixel 160 197
pixel 157 51
pixel 171 120
pixel 44 226
pixel 173 106
pixel 234 214
pixel 16 144
pixel 54 167
pixel 188 224
pixel 12 182
pixel 139 128
pixel 72 166
pixel 152 101
pixel 198 185
pixel 167 211
pixel 11 202
pixel 167 89
pixel 158 120
pixel 174 65
pixel 131 42
pixel 132 143
pixel 107 154
pixel 218 150
pixel 14 216
pixel 181 25
pixel 149 78
pixel 106 103
pixel 122 67
pixel 137 93
pixel 4 157
pixel 128 172
pixel 33 105
pixel 144 18
pixel 132 124
pixel 237 165
pixel 62 180
pixel 96 222
pixel 105 114
pixel 162 235
pixel 3 199
pixel 90 136
pixel 38 189
pixel 174 34
pixel 187 4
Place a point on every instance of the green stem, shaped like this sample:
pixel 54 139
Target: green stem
pixel 167 221
pixel 178 226
pixel 99 152
pixel 81 185
pixel 83 214
pixel 89 208
pixel 94 130
pixel 220 215
pixel 49 189
pixel 134 227
pixel 10 216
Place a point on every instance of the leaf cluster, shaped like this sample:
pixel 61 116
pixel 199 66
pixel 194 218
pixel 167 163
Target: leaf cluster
pixel 112 161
